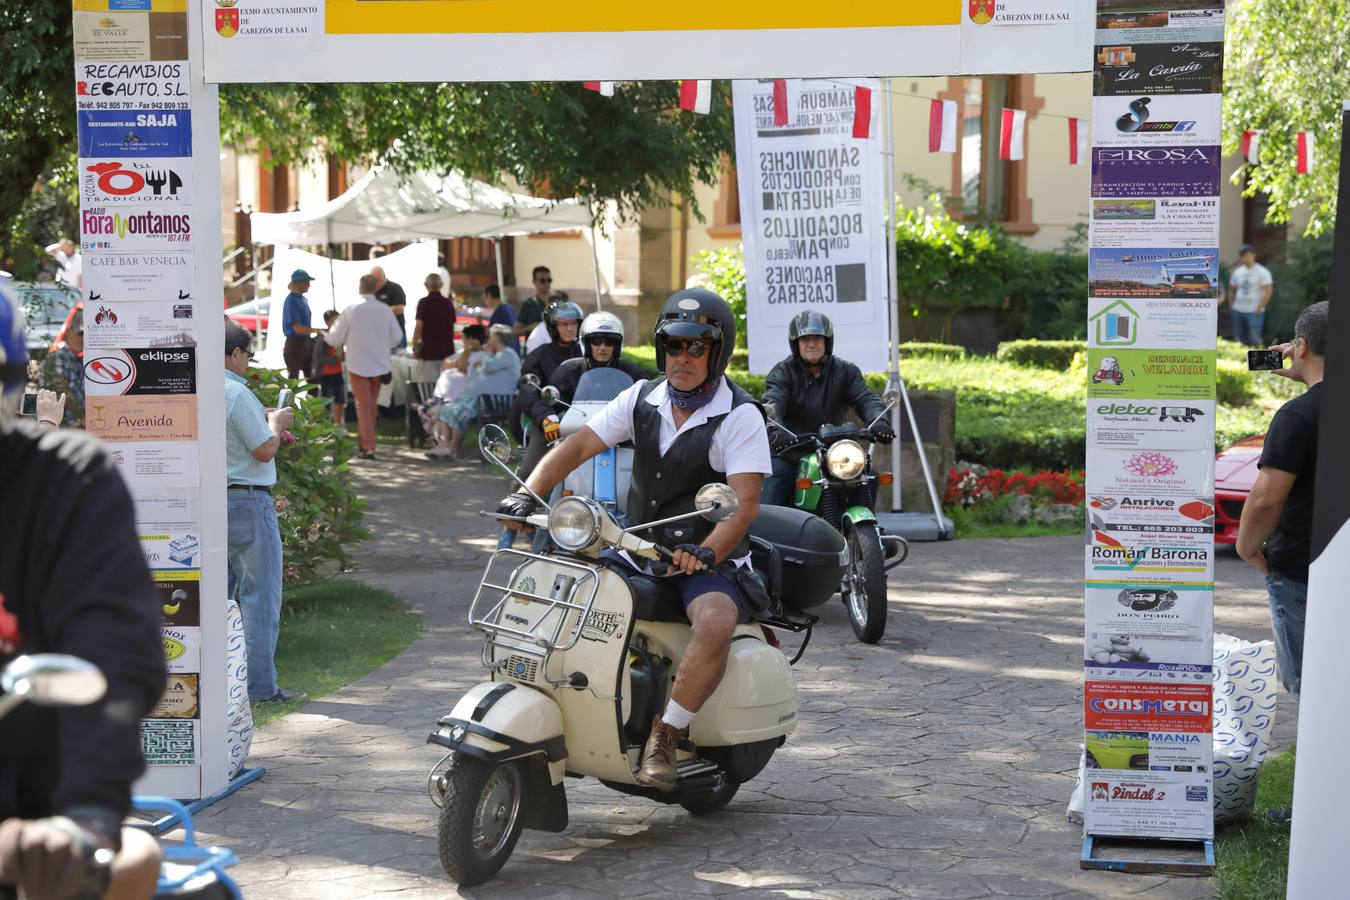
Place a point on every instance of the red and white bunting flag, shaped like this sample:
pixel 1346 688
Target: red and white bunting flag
pixel 1078 142
pixel 696 96
pixel 1012 141
pixel 781 105
pixel 1303 143
pixel 603 88
pixel 942 126
pixel 862 112
pixel 1251 146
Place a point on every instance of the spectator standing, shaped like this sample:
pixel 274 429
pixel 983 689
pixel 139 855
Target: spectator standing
pixel 532 310
pixel 295 327
pixel 391 294
pixel 1249 289
pixel 328 363
pixel 69 263
pixel 1275 534
pixel 367 332
pixel 252 439
pixel 63 372
pixel 434 332
pixel 502 313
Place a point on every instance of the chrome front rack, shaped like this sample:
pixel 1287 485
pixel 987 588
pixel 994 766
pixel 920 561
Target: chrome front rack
pixel 570 599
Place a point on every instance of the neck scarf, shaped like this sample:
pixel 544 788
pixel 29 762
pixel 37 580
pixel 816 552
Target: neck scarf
pixel 698 398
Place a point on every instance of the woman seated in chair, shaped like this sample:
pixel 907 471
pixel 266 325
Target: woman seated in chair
pixel 454 376
pixel 497 373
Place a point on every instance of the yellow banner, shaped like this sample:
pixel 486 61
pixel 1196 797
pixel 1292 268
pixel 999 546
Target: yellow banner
pixel 126 6
pixel 550 16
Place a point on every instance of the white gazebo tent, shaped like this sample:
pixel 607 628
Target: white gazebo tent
pixel 386 207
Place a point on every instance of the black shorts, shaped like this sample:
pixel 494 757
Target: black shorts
pixel 334 387
pixel 691 587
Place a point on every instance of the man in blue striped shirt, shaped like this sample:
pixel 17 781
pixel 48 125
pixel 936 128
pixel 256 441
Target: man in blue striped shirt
pixel 252 438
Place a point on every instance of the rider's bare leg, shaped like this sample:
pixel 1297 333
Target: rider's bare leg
pixel 713 616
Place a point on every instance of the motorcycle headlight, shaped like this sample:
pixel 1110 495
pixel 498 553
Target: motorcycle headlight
pixel 845 460
pixel 574 523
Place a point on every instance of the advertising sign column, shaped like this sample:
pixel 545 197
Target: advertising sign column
pixel 1154 292
pixel 135 143
pixel 814 210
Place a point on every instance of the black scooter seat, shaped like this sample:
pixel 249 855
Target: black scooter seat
pixel 654 599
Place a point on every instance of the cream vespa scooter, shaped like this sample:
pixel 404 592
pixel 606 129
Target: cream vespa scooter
pixel 582 657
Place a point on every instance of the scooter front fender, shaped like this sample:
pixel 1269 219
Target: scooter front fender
pixel 501 721
pixel 860 515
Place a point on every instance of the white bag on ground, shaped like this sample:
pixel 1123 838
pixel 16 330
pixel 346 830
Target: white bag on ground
pixel 1244 715
pixel 238 711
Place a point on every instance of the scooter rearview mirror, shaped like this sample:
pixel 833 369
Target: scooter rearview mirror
pixel 494 444
pixel 529 380
pixel 54 679
pixel 716 501
pixel 550 394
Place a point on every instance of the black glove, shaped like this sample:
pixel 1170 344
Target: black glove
pixel 779 440
pixel 882 431
pixel 518 504
pixel 703 554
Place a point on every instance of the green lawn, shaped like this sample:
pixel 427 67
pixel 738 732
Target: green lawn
pixel 969 524
pixel 332 634
pixel 1253 856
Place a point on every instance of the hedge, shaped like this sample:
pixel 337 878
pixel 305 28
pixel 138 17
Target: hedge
pixel 1039 354
pixel 932 350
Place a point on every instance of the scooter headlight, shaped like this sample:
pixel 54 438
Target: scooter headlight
pixel 845 460
pixel 574 523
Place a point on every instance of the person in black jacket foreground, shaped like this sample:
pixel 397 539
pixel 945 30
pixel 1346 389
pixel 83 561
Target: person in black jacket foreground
pixel 601 347
pixel 810 388
pixel 563 321
pixel 72 580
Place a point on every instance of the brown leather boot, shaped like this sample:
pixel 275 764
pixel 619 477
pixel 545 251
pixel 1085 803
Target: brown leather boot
pixel 658 757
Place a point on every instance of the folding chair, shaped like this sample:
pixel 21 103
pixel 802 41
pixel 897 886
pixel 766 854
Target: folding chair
pixel 419 392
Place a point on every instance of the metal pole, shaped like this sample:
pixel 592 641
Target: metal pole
pixel 501 279
pixel 893 300
pixel 595 265
pixel 328 249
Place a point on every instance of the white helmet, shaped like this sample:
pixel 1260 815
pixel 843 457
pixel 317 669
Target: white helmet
pixel 598 323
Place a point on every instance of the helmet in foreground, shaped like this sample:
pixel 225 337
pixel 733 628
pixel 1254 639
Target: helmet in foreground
pixel 561 311
pixel 697 313
pixel 13 352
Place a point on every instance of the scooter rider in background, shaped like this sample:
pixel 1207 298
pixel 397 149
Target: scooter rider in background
pixel 563 321
pixel 810 388
pixel 601 347
pixel 73 579
pixel 689 428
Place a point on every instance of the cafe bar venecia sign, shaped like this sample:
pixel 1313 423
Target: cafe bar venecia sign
pixel 542 40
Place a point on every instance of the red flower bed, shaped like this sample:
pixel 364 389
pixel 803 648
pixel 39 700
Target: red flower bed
pixel 967 488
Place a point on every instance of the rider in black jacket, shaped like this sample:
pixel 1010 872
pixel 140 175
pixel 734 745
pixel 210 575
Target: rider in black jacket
pixel 563 321
pixel 601 347
pixel 73 579
pixel 810 388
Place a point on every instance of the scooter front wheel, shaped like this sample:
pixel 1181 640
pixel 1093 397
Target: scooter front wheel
pixel 481 819
pixel 866 599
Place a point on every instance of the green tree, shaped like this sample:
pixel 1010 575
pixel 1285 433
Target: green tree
pixel 1287 70
pixel 636 148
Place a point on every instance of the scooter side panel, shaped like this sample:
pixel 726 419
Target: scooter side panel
pixel 757 697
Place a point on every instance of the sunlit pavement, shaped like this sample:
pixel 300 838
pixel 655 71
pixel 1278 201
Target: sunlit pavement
pixel 935 764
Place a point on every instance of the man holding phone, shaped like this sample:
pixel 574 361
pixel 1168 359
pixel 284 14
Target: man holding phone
pixel 1275 534
pixel 252 439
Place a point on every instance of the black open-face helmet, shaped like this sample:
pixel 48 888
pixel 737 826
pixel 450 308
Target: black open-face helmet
pixel 695 313
pixel 809 323
pixel 558 312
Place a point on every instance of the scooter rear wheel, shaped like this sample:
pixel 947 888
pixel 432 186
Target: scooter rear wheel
pixel 482 818
pixel 713 801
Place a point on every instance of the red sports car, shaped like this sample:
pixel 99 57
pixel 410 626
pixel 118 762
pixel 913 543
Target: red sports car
pixel 1234 474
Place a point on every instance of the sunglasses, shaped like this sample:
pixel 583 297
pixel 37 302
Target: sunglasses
pixel 543 281
pixel 679 347
pixel 603 341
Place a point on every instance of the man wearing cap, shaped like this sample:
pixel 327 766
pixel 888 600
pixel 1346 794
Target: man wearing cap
pixel 295 327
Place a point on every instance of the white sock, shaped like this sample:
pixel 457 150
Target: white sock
pixel 677 716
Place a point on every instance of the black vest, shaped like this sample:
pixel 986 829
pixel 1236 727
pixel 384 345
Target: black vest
pixel 664 486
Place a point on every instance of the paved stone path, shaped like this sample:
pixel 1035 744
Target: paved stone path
pixel 935 764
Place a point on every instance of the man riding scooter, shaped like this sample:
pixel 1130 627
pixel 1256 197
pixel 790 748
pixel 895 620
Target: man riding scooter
pixel 563 321
pixel 73 580
pixel 690 428
pixel 810 388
